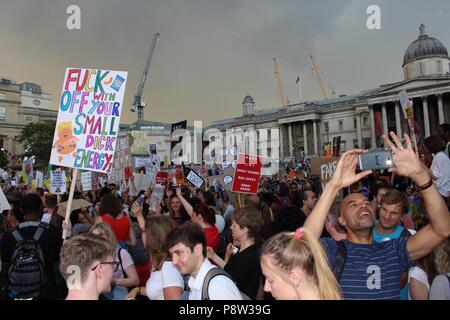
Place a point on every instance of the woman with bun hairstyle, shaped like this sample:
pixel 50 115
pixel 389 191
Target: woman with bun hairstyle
pixel 296 268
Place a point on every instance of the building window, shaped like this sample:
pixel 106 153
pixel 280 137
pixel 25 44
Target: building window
pixel 406 72
pixel 341 125
pixel 2 96
pixel 355 144
pixel 367 143
pixel 354 123
pixel 28 119
pixel 2 113
pixel 439 66
pixel 421 69
pixel 343 146
pixel 365 122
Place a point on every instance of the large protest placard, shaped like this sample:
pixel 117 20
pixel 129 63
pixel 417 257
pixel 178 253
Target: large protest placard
pixel 248 172
pixel 39 179
pixel 58 182
pixel 161 178
pixel 88 119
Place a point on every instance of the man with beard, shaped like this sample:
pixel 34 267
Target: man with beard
pixel 364 268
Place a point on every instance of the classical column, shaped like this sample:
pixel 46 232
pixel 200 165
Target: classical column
pixel 290 140
pixel 384 116
pixel 305 138
pixel 426 117
pixel 373 141
pixel 316 151
pixel 358 130
pixel 398 120
pixel 441 108
pixel 280 132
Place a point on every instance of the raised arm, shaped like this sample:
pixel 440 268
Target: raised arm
pixel 185 203
pixel 344 176
pixel 407 164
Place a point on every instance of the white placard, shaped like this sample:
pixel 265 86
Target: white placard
pixel 58 182
pixel 86 180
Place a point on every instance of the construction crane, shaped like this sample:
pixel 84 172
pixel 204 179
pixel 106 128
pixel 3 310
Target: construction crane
pixel 284 99
pixel 316 70
pixel 138 104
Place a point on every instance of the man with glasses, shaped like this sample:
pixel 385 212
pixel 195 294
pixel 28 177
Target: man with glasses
pixel 87 265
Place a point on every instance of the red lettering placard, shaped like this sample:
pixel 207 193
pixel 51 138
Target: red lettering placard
pixel 161 178
pixel 247 175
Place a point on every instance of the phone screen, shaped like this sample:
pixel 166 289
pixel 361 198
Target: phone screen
pixel 376 160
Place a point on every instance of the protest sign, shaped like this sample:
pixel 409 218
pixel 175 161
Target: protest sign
pixel 4 204
pixel 39 179
pixel 195 179
pixel 336 146
pixel 152 148
pixel 27 171
pixel 142 181
pixel 86 181
pixel 88 119
pixel 179 175
pixel 161 178
pixel 157 196
pixel 225 179
pixel 140 162
pixel 173 133
pixel 324 168
pixel 58 182
pixel 95 182
pixel 248 173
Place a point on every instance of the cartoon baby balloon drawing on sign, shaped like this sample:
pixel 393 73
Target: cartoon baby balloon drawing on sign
pixel 67 142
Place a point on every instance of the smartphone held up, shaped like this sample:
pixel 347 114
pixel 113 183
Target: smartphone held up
pixel 376 160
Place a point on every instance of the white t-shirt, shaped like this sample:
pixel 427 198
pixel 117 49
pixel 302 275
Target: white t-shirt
pixel 420 275
pixel 168 276
pixel 441 170
pixel 46 217
pixel 440 288
pixel 220 287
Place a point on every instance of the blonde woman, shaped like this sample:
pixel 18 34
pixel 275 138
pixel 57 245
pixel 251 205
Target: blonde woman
pixel 126 276
pixel 296 268
pixel 440 288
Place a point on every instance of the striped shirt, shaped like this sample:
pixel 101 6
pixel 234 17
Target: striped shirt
pixel 371 271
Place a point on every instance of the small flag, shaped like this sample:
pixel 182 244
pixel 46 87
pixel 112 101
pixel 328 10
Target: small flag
pixel 298 80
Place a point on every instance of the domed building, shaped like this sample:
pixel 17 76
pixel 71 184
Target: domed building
pixel 357 120
pixel 425 56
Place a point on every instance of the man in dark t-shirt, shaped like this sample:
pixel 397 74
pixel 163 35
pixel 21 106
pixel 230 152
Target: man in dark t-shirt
pixel 50 242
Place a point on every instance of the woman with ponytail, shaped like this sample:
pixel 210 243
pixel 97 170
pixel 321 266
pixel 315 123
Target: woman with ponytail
pixel 296 268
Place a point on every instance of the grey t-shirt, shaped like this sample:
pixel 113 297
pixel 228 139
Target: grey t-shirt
pixel 440 288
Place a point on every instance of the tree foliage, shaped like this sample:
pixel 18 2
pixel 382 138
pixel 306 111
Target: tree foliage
pixel 37 139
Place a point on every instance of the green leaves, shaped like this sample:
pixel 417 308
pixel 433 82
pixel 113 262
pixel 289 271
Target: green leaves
pixel 37 139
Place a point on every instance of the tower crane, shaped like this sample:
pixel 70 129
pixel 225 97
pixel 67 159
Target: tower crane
pixel 316 70
pixel 284 99
pixel 138 104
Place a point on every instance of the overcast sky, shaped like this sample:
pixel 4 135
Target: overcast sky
pixel 213 52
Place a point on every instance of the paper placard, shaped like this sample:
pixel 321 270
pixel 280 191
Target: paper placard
pixel 58 182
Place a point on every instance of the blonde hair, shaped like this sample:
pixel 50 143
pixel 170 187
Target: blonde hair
pixel 442 257
pixel 105 229
pixel 306 253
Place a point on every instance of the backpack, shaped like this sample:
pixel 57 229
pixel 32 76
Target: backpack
pixel 27 273
pixel 212 274
pixel 339 260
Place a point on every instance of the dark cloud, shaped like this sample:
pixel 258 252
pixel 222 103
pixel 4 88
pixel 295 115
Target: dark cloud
pixel 212 53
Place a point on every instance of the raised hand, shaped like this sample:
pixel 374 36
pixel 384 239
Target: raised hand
pixel 179 193
pixel 406 161
pixel 345 173
pixel 136 209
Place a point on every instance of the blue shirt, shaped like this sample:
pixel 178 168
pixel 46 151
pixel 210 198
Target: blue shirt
pixel 372 271
pixel 380 237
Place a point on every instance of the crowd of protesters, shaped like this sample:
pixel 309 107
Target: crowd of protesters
pixel 364 235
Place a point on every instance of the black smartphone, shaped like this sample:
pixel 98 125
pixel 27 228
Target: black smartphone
pixel 376 160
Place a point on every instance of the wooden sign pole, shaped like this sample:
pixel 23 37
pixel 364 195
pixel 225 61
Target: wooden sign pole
pixel 69 203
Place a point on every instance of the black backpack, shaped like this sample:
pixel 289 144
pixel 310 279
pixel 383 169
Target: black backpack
pixel 27 273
